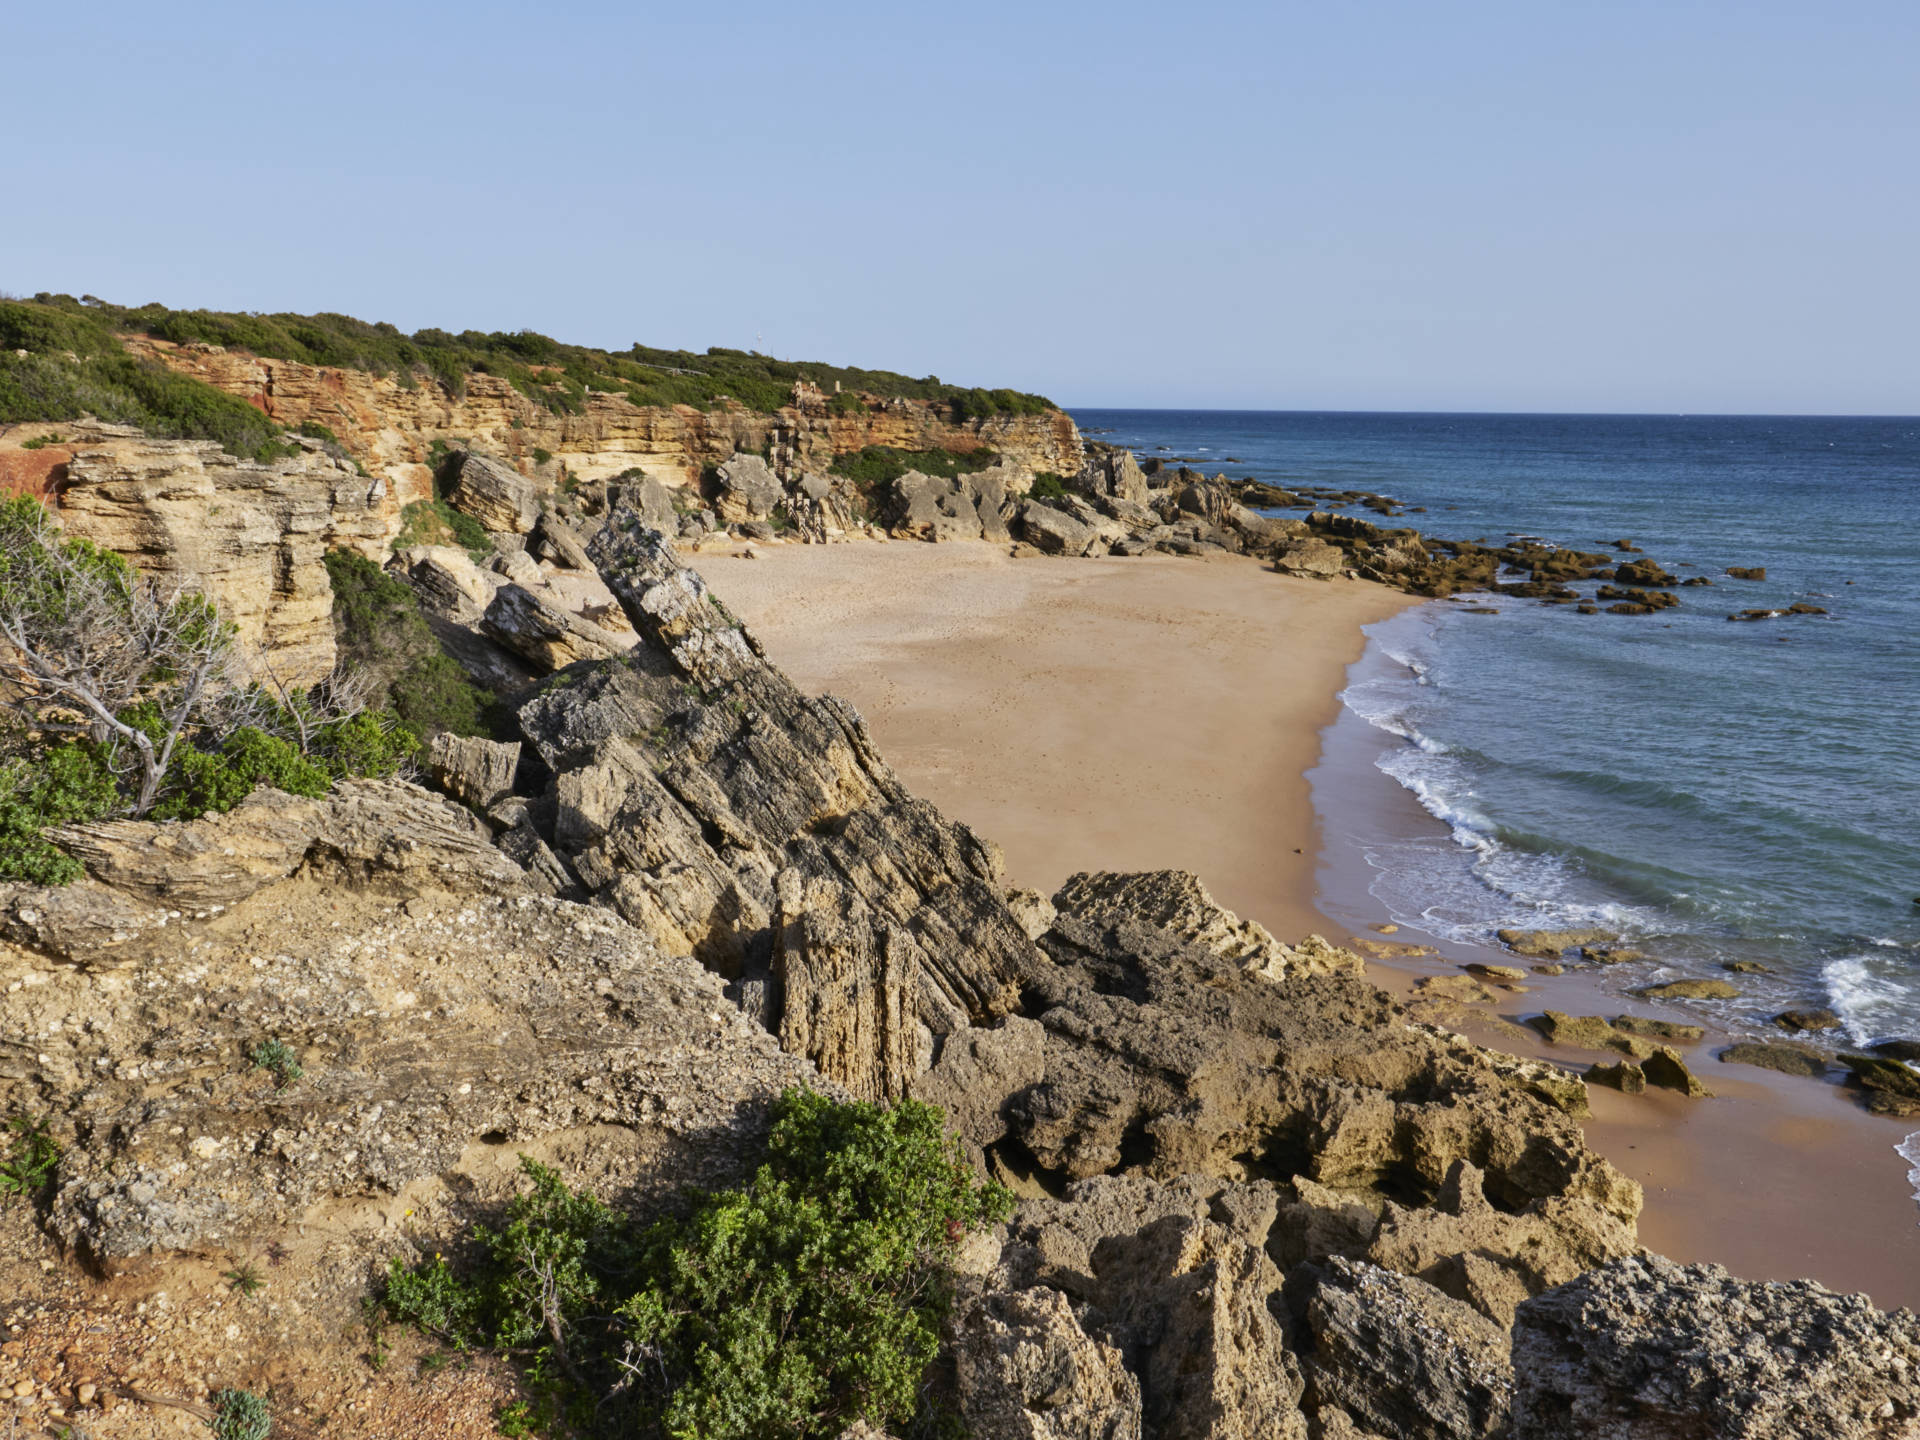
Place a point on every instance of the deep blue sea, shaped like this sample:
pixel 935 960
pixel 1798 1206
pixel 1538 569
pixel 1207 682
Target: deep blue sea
pixel 1710 791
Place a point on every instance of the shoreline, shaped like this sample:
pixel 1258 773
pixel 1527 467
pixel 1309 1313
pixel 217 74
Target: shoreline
pixel 1777 1177
pixel 1093 714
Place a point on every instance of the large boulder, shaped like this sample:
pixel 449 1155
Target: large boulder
pixel 448 582
pixel 745 488
pixel 542 633
pixel 495 494
pixel 925 507
pixel 1054 532
pixel 1644 1349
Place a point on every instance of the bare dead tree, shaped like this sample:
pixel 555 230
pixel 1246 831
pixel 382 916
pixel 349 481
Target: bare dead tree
pixel 92 648
pixel 306 709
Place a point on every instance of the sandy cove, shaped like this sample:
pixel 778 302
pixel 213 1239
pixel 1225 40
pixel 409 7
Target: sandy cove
pixel 1160 712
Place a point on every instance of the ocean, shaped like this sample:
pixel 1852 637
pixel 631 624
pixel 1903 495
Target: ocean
pixel 1710 791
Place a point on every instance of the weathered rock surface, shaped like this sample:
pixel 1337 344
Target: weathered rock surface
pixel 474 771
pixel 1644 1349
pixel 1690 990
pixel 251 536
pixel 544 635
pixel 1026 1370
pixel 1402 1359
pixel 495 494
pixel 745 488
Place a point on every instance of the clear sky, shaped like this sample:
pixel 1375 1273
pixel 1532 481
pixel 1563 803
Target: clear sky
pixel 1549 205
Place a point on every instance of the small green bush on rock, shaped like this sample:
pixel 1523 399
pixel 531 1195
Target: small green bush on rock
pixel 791 1307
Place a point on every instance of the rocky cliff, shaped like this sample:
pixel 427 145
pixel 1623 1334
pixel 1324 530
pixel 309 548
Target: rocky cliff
pixel 389 426
pixel 188 514
pixel 1258 1198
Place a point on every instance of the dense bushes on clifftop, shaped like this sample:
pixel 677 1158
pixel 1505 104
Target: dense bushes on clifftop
pixel 60 365
pixel 792 1307
pixel 553 375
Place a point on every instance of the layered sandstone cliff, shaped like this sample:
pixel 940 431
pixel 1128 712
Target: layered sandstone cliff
pixel 187 514
pixel 389 426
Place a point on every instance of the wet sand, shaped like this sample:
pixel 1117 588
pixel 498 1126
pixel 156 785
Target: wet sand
pixel 1159 712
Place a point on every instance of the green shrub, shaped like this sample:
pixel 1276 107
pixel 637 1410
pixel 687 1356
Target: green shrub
pixel 541 457
pixel 240 1415
pixel 31 1157
pixel 382 636
pixel 790 1307
pixel 63 784
pixel 1048 487
pixel 276 1057
pixel 846 403
pixel 875 465
pixel 40 442
pixel 214 781
pixel 314 430
pixel 435 522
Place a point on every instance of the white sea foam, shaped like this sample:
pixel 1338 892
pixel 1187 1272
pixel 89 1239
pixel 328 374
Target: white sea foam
pixel 1909 1151
pixel 1871 1004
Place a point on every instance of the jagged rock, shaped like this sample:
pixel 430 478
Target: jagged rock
pixel 1174 901
pixel 1167 1059
pixel 519 567
pixel 693 774
pixel 980 1072
pixel 1032 910
pixel 1622 1075
pixel 448 582
pixel 746 489
pixel 1611 954
pixel 1492 1259
pixel 1111 471
pixel 393 833
pixel 1402 1359
pixel 1587 1032
pixel 1026 1370
pixel 544 634
pixel 1499 974
pixel 1658 1029
pixel 193 865
pixel 495 494
pixel 252 537
pixel 1455 989
pixel 924 507
pixel 1644 1349
pixel 554 538
pixel 848 986
pixel 1551 944
pixel 84 923
pixel 1801 1021
pixel 477 772
pixel 1892 1088
pixel 1173 1277
pixel 1053 532
pixel 1665 1068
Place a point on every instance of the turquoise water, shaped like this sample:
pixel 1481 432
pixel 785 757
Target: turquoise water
pixel 1711 791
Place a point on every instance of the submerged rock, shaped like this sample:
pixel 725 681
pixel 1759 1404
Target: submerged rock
pixel 1551 944
pixel 1689 990
pixel 1781 1055
pixel 1807 1020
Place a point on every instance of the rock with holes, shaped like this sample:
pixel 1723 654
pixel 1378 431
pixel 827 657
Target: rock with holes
pixel 1644 1349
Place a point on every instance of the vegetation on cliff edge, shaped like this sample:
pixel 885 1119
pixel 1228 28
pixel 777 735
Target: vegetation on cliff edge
pixel 128 699
pixel 45 386
pixel 791 1307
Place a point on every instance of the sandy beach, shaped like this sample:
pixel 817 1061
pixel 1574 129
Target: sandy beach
pixel 1113 714
pixel 1158 712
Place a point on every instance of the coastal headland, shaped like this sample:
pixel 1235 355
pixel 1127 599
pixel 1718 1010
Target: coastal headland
pixel 586 890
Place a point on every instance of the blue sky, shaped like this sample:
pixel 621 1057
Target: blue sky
pixel 1481 206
